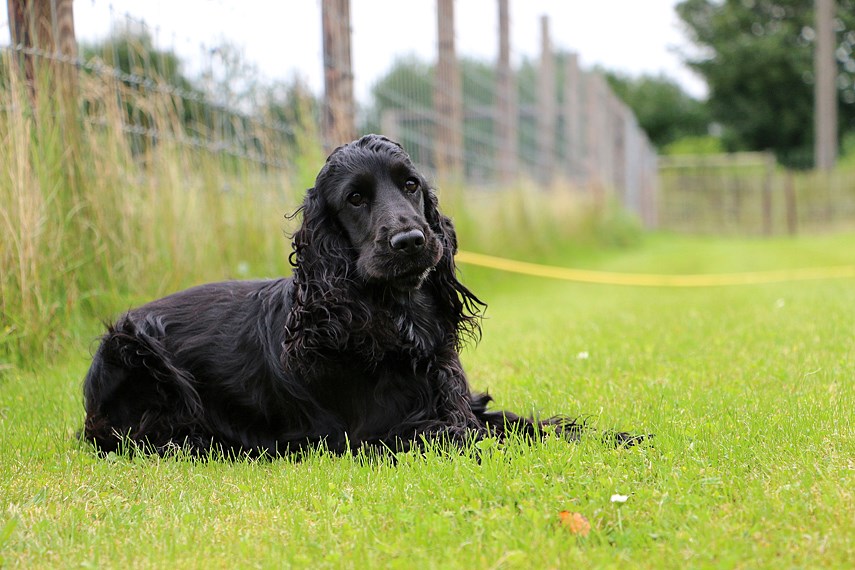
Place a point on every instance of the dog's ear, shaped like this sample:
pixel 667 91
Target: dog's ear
pixel 320 248
pixel 440 223
pixel 324 310
pixel 458 304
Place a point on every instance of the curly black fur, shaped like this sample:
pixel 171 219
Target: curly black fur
pixel 359 347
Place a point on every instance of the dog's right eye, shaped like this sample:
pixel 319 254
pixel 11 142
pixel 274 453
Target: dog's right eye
pixel 356 199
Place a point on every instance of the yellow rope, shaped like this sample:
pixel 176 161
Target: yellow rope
pixel 653 280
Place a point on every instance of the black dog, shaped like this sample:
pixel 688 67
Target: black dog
pixel 359 347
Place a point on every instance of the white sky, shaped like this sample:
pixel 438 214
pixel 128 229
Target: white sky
pixel 283 38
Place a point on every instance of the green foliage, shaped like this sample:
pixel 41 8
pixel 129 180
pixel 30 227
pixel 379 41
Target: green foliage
pixel 133 52
pixel 847 150
pixel 695 146
pixel 757 58
pixel 294 111
pixel 407 90
pixel 227 106
pixel 663 109
pixel 407 85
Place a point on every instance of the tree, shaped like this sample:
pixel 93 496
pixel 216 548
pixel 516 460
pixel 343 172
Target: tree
pixel 291 108
pixel 408 89
pixel 757 59
pixel 663 109
pixel 142 65
pixel 230 81
pixel 133 53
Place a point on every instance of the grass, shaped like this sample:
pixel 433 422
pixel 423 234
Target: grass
pixel 749 391
pixel 91 217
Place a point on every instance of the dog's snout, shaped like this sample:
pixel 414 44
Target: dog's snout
pixel 409 241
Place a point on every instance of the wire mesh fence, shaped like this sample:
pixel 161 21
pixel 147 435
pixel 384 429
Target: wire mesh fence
pixel 489 123
pixel 749 193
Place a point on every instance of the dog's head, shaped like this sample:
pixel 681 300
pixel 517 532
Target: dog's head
pixel 371 225
pixel 372 210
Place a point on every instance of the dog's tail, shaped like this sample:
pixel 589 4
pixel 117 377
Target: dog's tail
pixel 133 387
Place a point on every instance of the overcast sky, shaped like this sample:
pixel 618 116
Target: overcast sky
pixel 283 38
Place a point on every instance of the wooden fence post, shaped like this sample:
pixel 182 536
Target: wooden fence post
pixel 825 86
pixel 619 120
pixel 768 180
pixel 338 119
pixel 650 184
pixel 572 120
pixel 448 99
pixel 546 106
pixel 594 136
pixel 790 197
pixel 607 140
pixel 47 26
pixel 506 103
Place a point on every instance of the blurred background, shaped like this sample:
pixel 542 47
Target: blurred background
pixel 600 98
pixel 160 134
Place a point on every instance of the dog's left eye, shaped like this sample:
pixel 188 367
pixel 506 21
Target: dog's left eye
pixel 411 185
pixel 356 199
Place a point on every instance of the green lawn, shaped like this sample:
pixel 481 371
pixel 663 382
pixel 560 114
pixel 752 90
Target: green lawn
pixel 749 391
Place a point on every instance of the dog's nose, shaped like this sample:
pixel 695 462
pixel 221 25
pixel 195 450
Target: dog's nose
pixel 409 241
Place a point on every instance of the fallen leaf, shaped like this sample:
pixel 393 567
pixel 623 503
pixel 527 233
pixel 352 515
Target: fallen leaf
pixel 575 522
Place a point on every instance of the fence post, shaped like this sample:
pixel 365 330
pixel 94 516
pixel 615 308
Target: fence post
pixel 790 197
pixel 546 105
pixel 572 119
pixel 632 165
pixel 593 136
pixel 619 113
pixel 338 119
pixel 651 184
pixel 506 103
pixel 47 26
pixel 767 193
pixel 825 86
pixel 448 100
pixel 607 153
